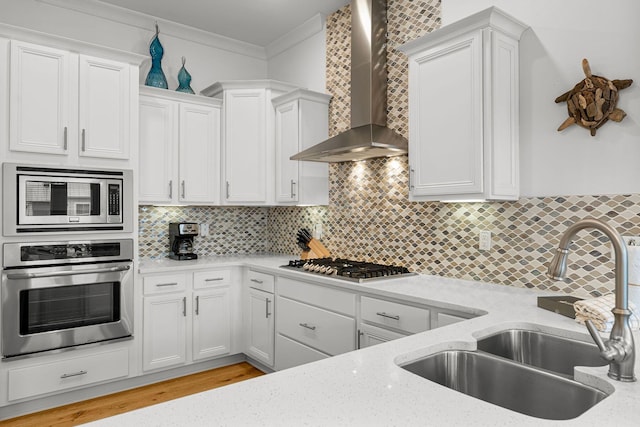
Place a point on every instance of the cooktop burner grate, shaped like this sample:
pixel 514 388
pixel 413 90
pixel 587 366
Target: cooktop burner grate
pixel 357 271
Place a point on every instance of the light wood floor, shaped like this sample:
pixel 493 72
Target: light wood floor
pixel 117 403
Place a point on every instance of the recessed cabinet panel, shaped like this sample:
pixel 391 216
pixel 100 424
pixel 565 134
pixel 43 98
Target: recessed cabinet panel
pixel 158 133
pixel 454 167
pixel 245 146
pixel 287 137
pixel 104 111
pixel 260 326
pixel 211 323
pixel 39 97
pixel 199 160
pixel 165 331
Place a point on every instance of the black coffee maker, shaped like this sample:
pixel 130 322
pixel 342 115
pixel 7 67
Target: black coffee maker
pixel 181 236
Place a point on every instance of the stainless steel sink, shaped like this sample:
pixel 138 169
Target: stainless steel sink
pixel 550 352
pixel 508 384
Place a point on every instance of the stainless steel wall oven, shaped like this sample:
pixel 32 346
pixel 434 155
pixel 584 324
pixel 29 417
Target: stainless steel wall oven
pixel 64 294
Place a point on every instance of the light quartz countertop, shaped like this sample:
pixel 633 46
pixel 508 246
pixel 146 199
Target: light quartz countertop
pixel 367 387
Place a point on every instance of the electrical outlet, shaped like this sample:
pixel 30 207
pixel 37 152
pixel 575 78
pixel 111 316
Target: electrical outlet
pixel 204 230
pixel 629 241
pixel 484 241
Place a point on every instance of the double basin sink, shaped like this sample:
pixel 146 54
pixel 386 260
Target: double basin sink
pixel 525 371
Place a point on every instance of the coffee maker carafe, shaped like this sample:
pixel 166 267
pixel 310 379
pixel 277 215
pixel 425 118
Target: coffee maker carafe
pixel 181 236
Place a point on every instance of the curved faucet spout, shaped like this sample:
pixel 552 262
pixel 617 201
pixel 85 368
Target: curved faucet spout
pixel 619 350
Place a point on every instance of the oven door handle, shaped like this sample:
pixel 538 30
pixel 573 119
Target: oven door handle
pixel 14 276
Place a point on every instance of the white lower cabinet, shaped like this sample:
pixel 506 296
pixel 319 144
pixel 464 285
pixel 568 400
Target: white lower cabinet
pixel 186 317
pixel 312 322
pixel 259 317
pixel 66 374
pixel 371 335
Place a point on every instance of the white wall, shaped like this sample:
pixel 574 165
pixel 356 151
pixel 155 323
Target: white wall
pixel 299 57
pixel 572 162
pixel 210 58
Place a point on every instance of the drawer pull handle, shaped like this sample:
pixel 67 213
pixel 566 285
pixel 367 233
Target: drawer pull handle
pixel 160 285
pixel 260 282
pixel 73 374
pixel 389 316
pixel 304 325
pixel 214 279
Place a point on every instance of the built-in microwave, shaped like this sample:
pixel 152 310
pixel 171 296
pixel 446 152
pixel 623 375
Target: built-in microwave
pixel 45 199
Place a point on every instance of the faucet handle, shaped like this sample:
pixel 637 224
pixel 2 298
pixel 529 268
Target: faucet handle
pixel 607 352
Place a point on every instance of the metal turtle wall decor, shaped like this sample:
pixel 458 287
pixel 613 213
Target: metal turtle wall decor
pixel 592 102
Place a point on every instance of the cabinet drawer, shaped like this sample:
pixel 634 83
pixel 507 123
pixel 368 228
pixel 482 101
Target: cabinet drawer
pixel 323 330
pixel 165 283
pixel 290 353
pixel 322 296
pixel 264 282
pixel 66 374
pixel 391 314
pixel 211 278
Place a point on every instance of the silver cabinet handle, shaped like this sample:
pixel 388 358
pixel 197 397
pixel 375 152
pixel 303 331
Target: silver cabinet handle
pixel 184 306
pixel 360 335
pixel 305 325
pixel 228 190
pixel 68 273
pixel 183 188
pixel 65 138
pixel 293 191
pixel 83 139
pixel 260 282
pixel 198 305
pixel 389 316
pixel 411 178
pixel 160 285
pixel 73 374
pixel 214 279
pixel 267 314
pixel 171 189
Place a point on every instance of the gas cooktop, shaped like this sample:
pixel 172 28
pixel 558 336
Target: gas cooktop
pixel 355 271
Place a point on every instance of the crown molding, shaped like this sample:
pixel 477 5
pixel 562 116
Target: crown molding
pixel 310 27
pixel 147 22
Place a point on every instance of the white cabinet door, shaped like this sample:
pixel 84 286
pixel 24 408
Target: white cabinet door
pixel 445 144
pixel 211 323
pixel 164 331
pixel 260 326
pixel 244 146
pixel 287 144
pixel 158 136
pixel 199 158
pixel 40 99
pixel 370 335
pixel 104 108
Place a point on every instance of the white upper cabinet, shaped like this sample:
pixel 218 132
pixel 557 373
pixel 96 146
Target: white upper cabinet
pixel 179 148
pixel 301 121
pixel 463 110
pixel 63 103
pixel 248 142
pixel 104 108
pixel 40 96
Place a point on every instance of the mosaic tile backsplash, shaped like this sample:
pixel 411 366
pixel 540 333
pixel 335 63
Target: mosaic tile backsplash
pixel 369 215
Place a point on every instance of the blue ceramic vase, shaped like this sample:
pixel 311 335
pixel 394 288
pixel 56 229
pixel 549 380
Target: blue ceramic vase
pixel 184 79
pixel 156 77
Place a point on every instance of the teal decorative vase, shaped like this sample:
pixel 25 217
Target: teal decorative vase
pixel 184 79
pixel 156 77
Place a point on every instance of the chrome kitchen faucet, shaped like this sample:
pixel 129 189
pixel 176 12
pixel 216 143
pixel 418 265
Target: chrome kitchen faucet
pixel 619 349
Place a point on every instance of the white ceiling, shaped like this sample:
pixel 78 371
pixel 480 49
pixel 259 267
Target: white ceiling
pixel 259 22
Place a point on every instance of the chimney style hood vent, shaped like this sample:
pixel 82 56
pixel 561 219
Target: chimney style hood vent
pixel 369 136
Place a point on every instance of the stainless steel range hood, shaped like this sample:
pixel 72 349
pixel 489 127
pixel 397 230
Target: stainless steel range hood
pixel 369 135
